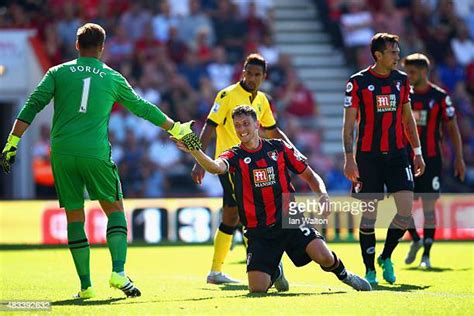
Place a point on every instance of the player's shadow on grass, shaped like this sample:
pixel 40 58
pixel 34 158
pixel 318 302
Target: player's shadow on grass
pixel 86 302
pixel 435 269
pixel 400 287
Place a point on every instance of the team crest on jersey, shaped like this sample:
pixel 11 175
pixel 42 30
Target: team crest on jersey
pixel 264 177
pixel 358 187
pixel 273 155
pixel 349 87
pixel 386 103
pixel 247 160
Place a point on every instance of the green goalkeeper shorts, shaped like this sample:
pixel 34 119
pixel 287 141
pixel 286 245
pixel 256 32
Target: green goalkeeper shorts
pixel 73 174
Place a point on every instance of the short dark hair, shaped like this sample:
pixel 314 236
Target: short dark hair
pixel 418 60
pixel 244 110
pixel 256 59
pixel 90 35
pixel 380 40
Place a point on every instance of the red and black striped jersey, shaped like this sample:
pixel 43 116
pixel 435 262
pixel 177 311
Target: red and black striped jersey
pixel 431 107
pixel 261 179
pixel 379 101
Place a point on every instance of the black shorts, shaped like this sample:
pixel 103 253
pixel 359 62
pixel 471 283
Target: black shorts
pixel 264 253
pixel 379 170
pixel 228 198
pixel 429 183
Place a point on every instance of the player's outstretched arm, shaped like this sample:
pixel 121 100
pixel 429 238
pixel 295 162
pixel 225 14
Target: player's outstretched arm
pixel 351 170
pixel 455 135
pixel 411 133
pixel 217 166
pixel 9 151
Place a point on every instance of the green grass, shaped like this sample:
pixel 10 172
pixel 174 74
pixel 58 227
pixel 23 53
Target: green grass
pixel 172 280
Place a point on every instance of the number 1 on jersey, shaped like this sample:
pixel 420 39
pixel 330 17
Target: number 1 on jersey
pixel 85 94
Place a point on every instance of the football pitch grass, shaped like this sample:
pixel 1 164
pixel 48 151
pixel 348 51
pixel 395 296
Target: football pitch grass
pixel 172 280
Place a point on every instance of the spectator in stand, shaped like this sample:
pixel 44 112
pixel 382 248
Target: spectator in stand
pixel 67 27
pixel 42 172
pixel 255 24
pixel 119 48
pixel 134 20
pixel 189 25
pixel 163 21
pixel 463 46
pixel 450 72
pixel 177 49
pixel 278 73
pixel 439 38
pixel 52 45
pixel 146 45
pixel 201 46
pixel 219 71
pixel 389 19
pixel 296 99
pixel 335 180
pixel 268 49
pixel 230 30
pixel 357 31
pixel 192 69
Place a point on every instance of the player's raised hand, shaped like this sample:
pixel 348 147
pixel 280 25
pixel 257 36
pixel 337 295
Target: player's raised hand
pixel 183 132
pixel 351 171
pixel 459 168
pixel 419 165
pixel 9 153
pixel 197 174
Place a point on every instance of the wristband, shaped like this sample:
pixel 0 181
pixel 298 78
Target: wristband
pixel 417 151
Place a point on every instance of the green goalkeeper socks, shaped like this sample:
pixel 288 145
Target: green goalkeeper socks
pixel 117 240
pixel 80 250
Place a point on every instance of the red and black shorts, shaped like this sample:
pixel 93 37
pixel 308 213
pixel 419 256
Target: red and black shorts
pixel 377 171
pixel 264 252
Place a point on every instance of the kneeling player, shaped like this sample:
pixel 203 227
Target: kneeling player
pixel 259 170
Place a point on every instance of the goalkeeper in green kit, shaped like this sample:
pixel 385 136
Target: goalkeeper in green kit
pixel 84 91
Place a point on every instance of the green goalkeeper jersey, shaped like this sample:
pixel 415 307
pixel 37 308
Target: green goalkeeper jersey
pixel 84 91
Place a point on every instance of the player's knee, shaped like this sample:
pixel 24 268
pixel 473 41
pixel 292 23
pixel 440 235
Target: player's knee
pixel 258 288
pixel 230 216
pixel 400 221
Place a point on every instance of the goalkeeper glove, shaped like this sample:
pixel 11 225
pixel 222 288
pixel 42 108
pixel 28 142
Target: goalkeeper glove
pixel 9 152
pixel 184 133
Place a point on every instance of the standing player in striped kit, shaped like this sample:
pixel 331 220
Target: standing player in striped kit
pixel 378 99
pixel 431 107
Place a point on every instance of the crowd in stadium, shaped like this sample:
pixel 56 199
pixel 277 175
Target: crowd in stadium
pixel 178 54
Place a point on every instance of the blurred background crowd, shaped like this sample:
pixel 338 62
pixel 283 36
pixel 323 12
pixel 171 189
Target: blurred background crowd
pixel 179 53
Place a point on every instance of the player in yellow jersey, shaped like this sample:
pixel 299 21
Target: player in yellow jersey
pixel 219 121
